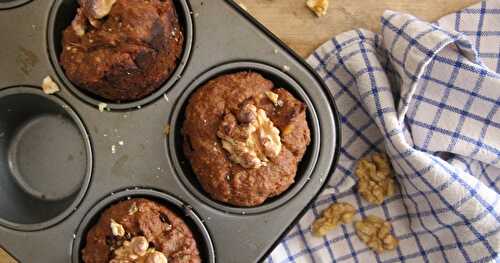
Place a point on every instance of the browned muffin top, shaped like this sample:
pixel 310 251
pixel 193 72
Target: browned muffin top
pixel 122 50
pixel 140 230
pixel 244 138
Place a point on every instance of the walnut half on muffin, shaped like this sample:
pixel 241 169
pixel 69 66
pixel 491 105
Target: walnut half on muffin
pixel 244 138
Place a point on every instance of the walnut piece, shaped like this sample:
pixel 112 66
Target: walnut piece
pixel 97 9
pixel 157 257
pixel 166 129
pixel 132 209
pixel 96 23
pixel 335 214
pixel 139 245
pixel 117 229
pixel 272 97
pixel 376 233
pixel 376 181
pixel 79 23
pixel 49 86
pixel 102 107
pixel 250 137
pixel 91 11
pixel 137 250
pixel 319 7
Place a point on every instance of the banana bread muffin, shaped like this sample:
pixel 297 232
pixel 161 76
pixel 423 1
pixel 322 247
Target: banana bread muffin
pixel 122 50
pixel 244 138
pixel 140 230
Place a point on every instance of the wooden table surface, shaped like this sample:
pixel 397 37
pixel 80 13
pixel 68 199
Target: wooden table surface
pixel 292 21
pixel 298 27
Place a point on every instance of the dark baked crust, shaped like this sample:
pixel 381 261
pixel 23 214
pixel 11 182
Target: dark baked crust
pixel 227 181
pixel 128 54
pixel 152 221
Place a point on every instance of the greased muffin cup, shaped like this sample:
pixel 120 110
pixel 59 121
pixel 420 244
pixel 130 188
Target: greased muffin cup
pixel 41 140
pixel 182 164
pixel 136 145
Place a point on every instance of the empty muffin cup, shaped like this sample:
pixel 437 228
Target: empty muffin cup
pixel 183 166
pixel 182 210
pixel 45 159
pixel 61 16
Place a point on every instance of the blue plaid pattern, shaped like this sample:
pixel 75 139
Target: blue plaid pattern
pixel 429 96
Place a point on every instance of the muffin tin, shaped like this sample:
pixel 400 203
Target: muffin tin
pixel 62 160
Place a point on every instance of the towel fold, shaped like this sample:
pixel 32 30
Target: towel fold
pixel 428 95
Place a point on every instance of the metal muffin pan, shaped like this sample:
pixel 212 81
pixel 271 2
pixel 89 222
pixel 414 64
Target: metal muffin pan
pixel 224 39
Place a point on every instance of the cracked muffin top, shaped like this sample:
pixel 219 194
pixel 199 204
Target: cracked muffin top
pixel 122 50
pixel 244 138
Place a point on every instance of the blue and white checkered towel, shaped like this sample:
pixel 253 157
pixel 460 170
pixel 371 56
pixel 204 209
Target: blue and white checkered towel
pixel 429 96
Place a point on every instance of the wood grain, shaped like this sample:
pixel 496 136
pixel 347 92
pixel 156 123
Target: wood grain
pixel 299 28
pixel 5 258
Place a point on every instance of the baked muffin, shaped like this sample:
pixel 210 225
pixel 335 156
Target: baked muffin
pixel 122 50
pixel 244 138
pixel 140 230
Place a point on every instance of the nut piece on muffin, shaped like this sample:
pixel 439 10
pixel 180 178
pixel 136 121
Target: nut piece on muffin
pixel 140 230
pixel 244 138
pixel 122 50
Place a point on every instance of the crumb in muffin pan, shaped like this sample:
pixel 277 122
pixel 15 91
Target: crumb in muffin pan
pixel 376 181
pixel 49 86
pixel 102 107
pixel 166 129
pixel 376 233
pixel 335 214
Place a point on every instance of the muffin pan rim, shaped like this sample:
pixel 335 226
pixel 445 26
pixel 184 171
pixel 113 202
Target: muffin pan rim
pixel 147 193
pixel 186 22
pixel 175 158
pixel 85 184
pixel 13 4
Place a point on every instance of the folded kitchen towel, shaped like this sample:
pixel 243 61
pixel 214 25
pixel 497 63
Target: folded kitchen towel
pixel 428 95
